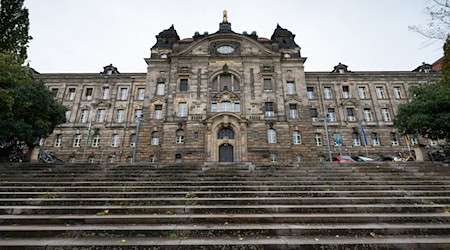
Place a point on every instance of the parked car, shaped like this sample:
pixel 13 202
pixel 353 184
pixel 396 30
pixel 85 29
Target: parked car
pixel 342 159
pixel 362 159
pixel 384 158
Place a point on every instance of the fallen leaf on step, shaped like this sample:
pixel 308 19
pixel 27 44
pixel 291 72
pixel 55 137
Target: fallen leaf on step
pixel 225 223
pixel 241 238
pixel 123 241
pixel 316 239
pixel 373 234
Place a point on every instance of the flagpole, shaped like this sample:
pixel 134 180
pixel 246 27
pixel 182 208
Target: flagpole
pixel 364 138
pixel 87 141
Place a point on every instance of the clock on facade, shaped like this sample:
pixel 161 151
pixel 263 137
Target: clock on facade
pixel 225 49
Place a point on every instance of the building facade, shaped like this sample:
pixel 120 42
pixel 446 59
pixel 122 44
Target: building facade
pixel 229 97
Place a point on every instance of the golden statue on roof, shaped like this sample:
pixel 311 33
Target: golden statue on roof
pixel 225 16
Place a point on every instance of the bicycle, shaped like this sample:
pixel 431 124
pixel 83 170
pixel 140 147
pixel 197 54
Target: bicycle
pixel 409 156
pixel 49 157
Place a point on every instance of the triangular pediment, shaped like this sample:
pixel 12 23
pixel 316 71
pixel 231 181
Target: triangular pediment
pixel 101 104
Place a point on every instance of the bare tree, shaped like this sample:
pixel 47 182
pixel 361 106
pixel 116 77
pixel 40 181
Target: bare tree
pixel 438 26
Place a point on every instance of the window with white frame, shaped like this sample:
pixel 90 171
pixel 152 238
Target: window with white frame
pixel 337 138
pixel 327 93
pixel 397 92
pixel 120 115
pixel 269 109
pixel 380 92
pixel 158 112
pixel 160 88
pixel 115 140
pixel 386 114
pixel 179 136
pixel 237 107
pixel 310 93
pixel 101 113
pixel 123 94
pixel 58 140
pixel 141 94
pixel 313 114
pixel 318 139
pixel 96 141
pixel 375 139
pixel 351 115
pixel 271 136
pixel 394 139
pixel 71 94
pixel 362 92
pixel 225 106
pixel 68 113
pixel 413 140
pixel 182 109
pixel 155 138
pixel 84 115
pixel 367 114
pixel 345 92
pixel 138 113
pixel 88 94
pixel 213 107
pixel 267 84
pixel 105 93
pixel 331 115
pixel 291 88
pixel 77 141
pixel 273 157
pixel 355 139
pixel 293 111
pixel 297 139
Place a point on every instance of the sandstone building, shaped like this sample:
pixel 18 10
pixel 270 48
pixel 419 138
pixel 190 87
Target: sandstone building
pixel 225 97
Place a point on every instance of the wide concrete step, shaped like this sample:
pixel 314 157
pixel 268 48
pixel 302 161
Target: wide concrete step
pixel 225 229
pixel 236 242
pixel 214 209
pixel 162 201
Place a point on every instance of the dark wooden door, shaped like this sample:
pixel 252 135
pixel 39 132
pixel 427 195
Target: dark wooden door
pixel 226 153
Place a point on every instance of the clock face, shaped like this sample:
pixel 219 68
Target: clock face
pixel 225 49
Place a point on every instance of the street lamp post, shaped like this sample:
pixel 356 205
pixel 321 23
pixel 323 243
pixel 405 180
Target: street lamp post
pixel 136 138
pixel 325 122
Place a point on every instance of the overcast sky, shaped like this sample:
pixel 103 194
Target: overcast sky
pixel 84 35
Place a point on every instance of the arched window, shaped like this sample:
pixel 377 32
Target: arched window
pixel 299 158
pixel 271 136
pixel 179 136
pixel 152 158
pixel 225 82
pixel 155 138
pixel 228 132
pixel 178 158
pixel 297 137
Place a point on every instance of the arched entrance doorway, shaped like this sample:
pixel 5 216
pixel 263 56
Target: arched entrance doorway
pixel 226 153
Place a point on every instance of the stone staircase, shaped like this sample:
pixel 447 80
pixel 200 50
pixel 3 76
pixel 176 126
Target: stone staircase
pixel 234 206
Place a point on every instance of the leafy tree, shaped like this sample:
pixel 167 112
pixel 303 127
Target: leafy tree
pixel 428 114
pixel 14 25
pixel 28 110
pixel 438 26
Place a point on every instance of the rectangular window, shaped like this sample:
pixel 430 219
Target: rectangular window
pixel 269 111
pixel 355 139
pixel 293 112
pixel 68 113
pixel 158 112
pixel 362 93
pixel 141 94
pixel 182 109
pixel 101 115
pixel 84 115
pixel 237 107
pixel 331 115
pixel 195 135
pixel 160 88
pixel 54 91
pixel 213 107
pixel 351 115
pixel 345 92
pixel 183 84
pixel 291 88
pixel 310 93
pixel 397 93
pixel 77 141
pixel 375 139
pixel 327 93
pixel 120 115
pixel 58 141
pixel 386 115
pixel 105 93
pixel 123 94
pixel 225 106
pixel 368 115
pixel 318 139
pixel 313 114
pixel 96 141
pixel 394 139
pixel 88 95
pixel 380 92
pixel 71 95
pixel 267 84
pixel 115 141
